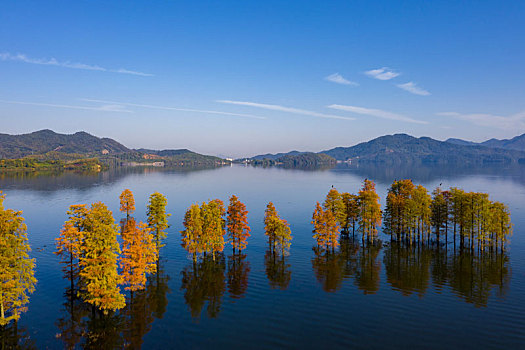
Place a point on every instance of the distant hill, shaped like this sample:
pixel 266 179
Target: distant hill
pixel 402 148
pixel 277 155
pixel 406 149
pixel 47 145
pixel 516 143
pixel 44 141
pixel 461 142
pixel 177 156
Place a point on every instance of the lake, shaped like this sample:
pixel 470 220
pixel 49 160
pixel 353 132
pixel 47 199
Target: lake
pixel 382 295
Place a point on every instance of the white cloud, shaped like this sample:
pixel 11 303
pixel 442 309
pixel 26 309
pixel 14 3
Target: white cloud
pixel 413 88
pixel 338 79
pixel 376 113
pixel 512 122
pixel 176 109
pixel 5 56
pixel 384 73
pixel 284 109
pixel 103 108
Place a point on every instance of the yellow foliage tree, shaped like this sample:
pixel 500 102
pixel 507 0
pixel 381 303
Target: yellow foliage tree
pixel 158 218
pixel 192 235
pixel 17 279
pixel 98 260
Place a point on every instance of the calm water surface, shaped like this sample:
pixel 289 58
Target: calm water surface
pixel 377 296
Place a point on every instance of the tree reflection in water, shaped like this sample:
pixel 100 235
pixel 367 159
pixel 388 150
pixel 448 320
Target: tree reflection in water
pixel 238 270
pixel 277 270
pixel 471 275
pixel 14 337
pixel 82 325
pixel 203 281
pixel 351 260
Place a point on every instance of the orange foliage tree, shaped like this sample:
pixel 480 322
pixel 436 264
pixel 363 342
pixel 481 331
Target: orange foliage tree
pixel 237 220
pixel 127 202
pixel 326 228
pixel 138 255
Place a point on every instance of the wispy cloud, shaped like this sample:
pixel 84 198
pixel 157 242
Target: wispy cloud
pixel 338 79
pixel 376 113
pixel 284 109
pixel 413 88
pixel 512 122
pixel 384 73
pixel 6 56
pixel 176 109
pixel 104 108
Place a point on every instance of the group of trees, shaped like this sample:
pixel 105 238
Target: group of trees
pixel 339 212
pixel 413 214
pixel 90 251
pixel 278 231
pixel 17 276
pixel 205 227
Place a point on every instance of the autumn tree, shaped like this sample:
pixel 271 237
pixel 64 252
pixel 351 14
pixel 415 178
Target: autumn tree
pixel 283 237
pixel 419 214
pixel 138 255
pixel 334 203
pixel 270 223
pixel 17 276
pixel 157 218
pixel 370 210
pixel 69 243
pixel 397 206
pixel 439 211
pixel 192 234
pixel 277 230
pixel 326 229
pixel 127 202
pixel 351 211
pixel 213 227
pixel 237 222
pixel 500 224
pixel 98 260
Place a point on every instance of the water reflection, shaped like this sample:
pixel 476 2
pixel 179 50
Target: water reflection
pixel 277 269
pixel 203 281
pixel 82 325
pixel 350 260
pixel 368 267
pixel 472 275
pixel 430 172
pixel 238 270
pixel 56 181
pixel 14 337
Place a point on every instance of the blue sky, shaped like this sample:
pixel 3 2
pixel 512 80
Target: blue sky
pixel 239 78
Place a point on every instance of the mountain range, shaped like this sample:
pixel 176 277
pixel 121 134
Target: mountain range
pixel 406 149
pixel 389 149
pixel 516 143
pixel 47 144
